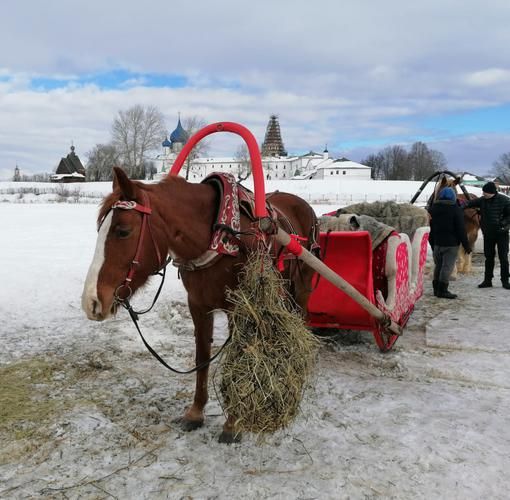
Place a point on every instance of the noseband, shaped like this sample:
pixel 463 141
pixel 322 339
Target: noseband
pixel 145 210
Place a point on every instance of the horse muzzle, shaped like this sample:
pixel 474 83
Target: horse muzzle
pixel 95 311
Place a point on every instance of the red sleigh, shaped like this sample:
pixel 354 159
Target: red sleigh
pixel 391 277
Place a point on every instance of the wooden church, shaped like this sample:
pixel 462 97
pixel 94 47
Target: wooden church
pixel 70 169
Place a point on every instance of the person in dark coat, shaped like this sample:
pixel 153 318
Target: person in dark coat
pixel 495 224
pixel 447 232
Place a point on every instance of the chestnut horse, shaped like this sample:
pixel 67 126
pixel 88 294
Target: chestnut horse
pixel 180 225
pixel 471 223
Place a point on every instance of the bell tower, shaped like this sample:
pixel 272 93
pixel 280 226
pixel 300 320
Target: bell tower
pixel 273 144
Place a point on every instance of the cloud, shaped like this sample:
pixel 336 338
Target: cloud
pixel 489 77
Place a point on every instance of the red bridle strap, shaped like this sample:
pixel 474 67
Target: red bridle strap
pixel 145 210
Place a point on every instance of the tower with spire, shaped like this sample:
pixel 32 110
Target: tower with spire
pixel 17 175
pixel 172 146
pixel 273 144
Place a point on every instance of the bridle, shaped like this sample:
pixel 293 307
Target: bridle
pixel 145 210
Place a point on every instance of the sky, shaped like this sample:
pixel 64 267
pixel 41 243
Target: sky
pixel 356 76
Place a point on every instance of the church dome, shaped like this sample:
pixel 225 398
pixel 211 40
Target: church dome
pixel 179 134
pixel 166 143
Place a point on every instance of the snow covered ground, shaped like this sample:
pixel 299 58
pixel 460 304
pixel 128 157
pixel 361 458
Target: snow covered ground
pixel 428 420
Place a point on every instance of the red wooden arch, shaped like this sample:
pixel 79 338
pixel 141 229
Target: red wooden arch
pixel 253 149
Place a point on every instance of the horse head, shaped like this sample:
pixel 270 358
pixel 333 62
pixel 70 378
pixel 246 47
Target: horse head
pixel 126 252
pixel 443 182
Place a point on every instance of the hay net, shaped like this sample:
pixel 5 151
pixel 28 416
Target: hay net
pixel 265 368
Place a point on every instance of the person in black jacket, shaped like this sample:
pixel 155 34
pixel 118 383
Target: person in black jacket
pixel 495 223
pixel 447 232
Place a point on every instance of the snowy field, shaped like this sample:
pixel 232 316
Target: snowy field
pixel 96 413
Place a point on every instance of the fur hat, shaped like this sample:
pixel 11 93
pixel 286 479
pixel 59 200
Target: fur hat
pixel 490 187
pixel 447 193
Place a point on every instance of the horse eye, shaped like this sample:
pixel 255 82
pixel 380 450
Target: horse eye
pixel 122 232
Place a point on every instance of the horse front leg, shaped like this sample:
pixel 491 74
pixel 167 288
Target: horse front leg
pixel 230 434
pixel 203 321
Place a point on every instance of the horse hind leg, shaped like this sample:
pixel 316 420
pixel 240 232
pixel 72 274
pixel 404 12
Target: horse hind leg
pixel 194 416
pixel 302 281
pixel 469 264
pixel 461 261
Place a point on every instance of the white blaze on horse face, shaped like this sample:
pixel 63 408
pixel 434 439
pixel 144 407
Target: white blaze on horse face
pixel 89 299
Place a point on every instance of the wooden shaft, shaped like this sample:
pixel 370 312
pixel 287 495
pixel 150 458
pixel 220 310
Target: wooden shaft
pixel 308 258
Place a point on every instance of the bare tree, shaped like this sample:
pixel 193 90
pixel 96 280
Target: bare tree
pixel 191 125
pixel 501 168
pixel 101 160
pixel 395 163
pixel 135 132
pixel 378 165
pixel 424 161
pixel 242 155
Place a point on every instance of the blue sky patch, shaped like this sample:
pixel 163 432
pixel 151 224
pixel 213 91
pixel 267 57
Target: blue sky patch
pixel 494 119
pixel 116 79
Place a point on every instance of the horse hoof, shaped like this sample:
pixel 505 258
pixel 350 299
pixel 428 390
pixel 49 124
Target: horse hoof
pixel 229 437
pixel 188 425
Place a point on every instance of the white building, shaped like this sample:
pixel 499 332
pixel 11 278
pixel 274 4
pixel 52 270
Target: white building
pixel 342 168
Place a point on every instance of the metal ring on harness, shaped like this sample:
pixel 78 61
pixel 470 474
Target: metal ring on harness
pixel 116 296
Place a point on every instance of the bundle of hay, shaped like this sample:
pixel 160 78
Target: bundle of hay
pixel 352 222
pixel 404 217
pixel 265 367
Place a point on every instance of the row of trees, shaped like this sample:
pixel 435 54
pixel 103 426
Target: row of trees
pixel 135 133
pixel 396 163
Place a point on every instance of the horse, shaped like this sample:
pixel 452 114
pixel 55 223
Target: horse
pixel 471 222
pixel 141 224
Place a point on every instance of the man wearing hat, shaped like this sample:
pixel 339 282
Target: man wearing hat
pixel 495 224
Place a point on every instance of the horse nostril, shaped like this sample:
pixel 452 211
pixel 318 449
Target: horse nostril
pixel 96 308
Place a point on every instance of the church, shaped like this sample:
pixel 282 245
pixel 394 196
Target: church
pixel 171 148
pixel 69 169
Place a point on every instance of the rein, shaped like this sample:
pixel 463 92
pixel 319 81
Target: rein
pixel 145 210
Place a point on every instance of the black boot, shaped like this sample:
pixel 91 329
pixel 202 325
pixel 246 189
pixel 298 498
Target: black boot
pixel 442 291
pixel 505 284
pixel 486 283
pixel 434 286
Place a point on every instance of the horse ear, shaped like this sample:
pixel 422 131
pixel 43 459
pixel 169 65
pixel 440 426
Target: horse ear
pixel 122 182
